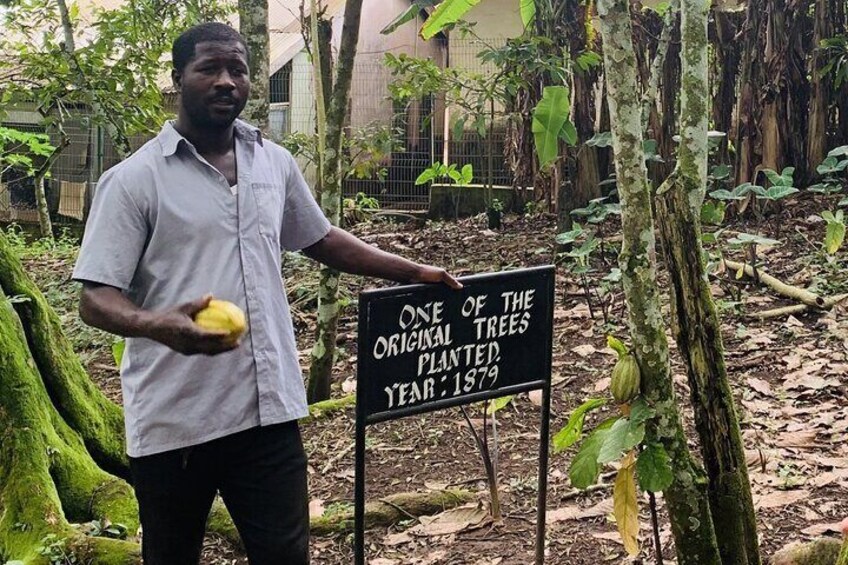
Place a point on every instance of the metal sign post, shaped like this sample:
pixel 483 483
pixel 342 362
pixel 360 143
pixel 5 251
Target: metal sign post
pixel 426 347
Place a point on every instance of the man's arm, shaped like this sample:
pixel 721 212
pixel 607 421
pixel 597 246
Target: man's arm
pixel 105 307
pixel 347 253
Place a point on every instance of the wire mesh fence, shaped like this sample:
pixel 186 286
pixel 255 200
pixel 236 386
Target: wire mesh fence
pixel 388 146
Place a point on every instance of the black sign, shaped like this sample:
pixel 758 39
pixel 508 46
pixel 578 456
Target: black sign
pixel 427 347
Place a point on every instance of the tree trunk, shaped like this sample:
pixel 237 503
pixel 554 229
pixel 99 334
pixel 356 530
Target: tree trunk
pixel 253 26
pixel 696 324
pixel 686 498
pixel 821 88
pixel 331 196
pixel 586 182
pixel 726 71
pixel 750 107
pixel 59 433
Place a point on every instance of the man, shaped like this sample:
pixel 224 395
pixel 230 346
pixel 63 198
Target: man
pixel 204 209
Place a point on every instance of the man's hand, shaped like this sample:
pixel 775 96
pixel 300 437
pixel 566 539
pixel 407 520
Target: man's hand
pixel 176 329
pixel 435 275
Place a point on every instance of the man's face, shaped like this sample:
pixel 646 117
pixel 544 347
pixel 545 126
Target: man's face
pixel 215 84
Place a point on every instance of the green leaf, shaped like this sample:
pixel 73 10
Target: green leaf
pixel 624 435
pixel 448 13
pixel 570 236
pixel 549 118
pixel 498 404
pixel 780 192
pixel 654 468
pixel 408 15
pixel 569 133
pixel 713 213
pixel 835 237
pixel 640 411
pixel 584 468
pixel 118 351
pixel 528 12
pixel 426 176
pixel 467 174
pixel 573 430
pixel 839 152
pixel 749 238
pixel 617 345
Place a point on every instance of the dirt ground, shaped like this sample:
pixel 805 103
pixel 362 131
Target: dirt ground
pixel 790 378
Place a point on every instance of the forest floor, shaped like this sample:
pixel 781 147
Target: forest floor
pixel 789 376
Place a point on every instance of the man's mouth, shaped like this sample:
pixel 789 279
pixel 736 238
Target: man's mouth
pixel 223 102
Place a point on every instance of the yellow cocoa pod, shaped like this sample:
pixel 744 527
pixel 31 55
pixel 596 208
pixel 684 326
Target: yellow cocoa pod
pixel 626 379
pixel 222 316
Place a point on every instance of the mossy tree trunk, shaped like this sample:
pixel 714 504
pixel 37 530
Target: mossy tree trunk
pixel 696 324
pixel 58 435
pixel 686 498
pixel 330 171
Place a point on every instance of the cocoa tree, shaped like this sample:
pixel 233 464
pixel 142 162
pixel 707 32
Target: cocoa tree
pixel 330 173
pixel 697 327
pixel 686 497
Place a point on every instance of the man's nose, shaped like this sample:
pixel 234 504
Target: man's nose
pixel 224 80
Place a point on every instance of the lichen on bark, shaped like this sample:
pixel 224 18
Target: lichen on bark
pixel 686 498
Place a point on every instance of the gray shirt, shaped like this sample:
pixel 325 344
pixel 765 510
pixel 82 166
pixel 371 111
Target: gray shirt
pixel 166 228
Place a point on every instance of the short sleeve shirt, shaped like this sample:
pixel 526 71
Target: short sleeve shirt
pixel 166 228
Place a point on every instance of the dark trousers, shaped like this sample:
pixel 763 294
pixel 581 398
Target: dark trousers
pixel 261 476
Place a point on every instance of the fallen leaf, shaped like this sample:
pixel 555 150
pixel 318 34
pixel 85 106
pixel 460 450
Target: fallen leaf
pixel 459 519
pixel 821 529
pixel 392 540
pixel 316 508
pixel 535 397
pixel 760 386
pixel 828 478
pixel 779 498
pixel 584 350
pixel 349 386
pixel 802 439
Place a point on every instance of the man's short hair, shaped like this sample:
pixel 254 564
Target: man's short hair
pixel 184 46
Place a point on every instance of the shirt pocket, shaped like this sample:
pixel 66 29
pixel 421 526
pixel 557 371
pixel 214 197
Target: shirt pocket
pixel 269 206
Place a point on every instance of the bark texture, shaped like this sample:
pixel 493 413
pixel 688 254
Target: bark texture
pixel 331 195
pixel 696 325
pixel 253 26
pixel 58 434
pixel 687 499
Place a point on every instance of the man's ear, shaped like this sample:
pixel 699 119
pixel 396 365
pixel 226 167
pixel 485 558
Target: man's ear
pixel 176 78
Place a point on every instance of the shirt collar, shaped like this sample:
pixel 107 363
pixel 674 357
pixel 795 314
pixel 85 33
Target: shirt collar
pixel 170 138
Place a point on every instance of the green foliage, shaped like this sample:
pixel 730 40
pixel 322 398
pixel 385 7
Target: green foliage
pixel 713 213
pixel 365 150
pixel 445 16
pixel 118 351
pixel 653 467
pixel 584 468
pixel 497 404
pixel 598 210
pixel 116 68
pixel 551 124
pixel 53 548
pixel 572 432
pixel 19 150
pixel 743 239
pixel 528 12
pixel 835 234
pixel 438 171
pixel 408 15
pixel 834 165
pixel 836 51
pixel 105 528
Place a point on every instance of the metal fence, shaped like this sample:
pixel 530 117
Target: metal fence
pixel 404 141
